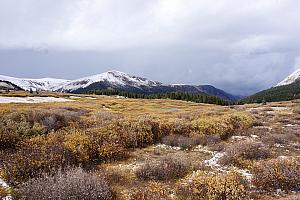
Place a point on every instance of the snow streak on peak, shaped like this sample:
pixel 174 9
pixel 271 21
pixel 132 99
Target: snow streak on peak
pixel 290 79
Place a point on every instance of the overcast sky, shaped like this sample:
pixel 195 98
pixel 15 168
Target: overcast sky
pixel 241 46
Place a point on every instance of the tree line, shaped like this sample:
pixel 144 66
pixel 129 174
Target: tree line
pixel 185 96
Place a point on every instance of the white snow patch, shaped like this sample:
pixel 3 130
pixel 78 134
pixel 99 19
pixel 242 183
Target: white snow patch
pixel 75 97
pixel 279 145
pixel 163 146
pixel 32 99
pixel 238 137
pixel 214 161
pixel 290 125
pixel 290 79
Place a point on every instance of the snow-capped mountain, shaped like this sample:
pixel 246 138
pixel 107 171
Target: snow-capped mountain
pixel 295 76
pixel 113 80
pixel 34 84
pixel 110 78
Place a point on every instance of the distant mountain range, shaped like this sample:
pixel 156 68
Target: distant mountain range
pixel 114 80
pixel 288 89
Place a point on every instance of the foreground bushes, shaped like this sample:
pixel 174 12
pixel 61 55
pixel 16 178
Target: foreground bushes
pixel 72 184
pixel 42 154
pixel 225 125
pixel 14 127
pixel 276 174
pixel 242 154
pixel 18 126
pixel 168 168
pixel 43 141
pixel 213 186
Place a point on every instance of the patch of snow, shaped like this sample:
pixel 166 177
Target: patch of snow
pixel 290 79
pixel 245 173
pixel 130 166
pixel 290 125
pixel 163 146
pixel 75 97
pixel 119 97
pixel 279 108
pixel 279 145
pixel 238 137
pixel 32 99
pixel 214 161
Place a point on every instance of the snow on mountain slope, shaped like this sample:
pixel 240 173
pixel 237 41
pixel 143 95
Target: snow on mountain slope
pixel 290 79
pixel 6 85
pixel 115 78
pixel 40 84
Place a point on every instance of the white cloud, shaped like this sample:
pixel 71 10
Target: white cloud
pixel 231 36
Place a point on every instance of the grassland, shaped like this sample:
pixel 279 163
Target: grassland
pixel 99 147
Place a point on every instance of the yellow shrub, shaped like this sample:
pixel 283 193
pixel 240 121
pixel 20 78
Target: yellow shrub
pixel 224 125
pixel 218 186
pixel 79 144
pixel 4 192
pixel 277 174
pixel 153 191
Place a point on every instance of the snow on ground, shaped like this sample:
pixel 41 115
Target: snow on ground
pixel 4 185
pixel 75 97
pixel 213 162
pixel 163 146
pixel 32 99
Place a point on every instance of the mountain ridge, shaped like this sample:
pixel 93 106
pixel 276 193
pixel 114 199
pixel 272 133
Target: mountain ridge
pixel 114 79
pixel 295 76
pixel 286 90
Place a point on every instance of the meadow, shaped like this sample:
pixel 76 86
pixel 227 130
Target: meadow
pixel 100 147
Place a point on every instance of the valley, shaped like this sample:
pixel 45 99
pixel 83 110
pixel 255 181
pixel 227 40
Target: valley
pixel 149 149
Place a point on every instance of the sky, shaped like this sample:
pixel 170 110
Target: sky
pixel 239 46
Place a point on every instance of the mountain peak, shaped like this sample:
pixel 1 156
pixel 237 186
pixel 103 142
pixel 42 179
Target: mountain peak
pixel 291 78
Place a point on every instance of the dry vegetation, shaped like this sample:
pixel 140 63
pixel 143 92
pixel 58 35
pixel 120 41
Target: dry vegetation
pixel 113 148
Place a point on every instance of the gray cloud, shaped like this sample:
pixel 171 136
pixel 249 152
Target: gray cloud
pixel 239 46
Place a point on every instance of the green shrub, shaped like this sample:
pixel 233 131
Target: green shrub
pixel 14 128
